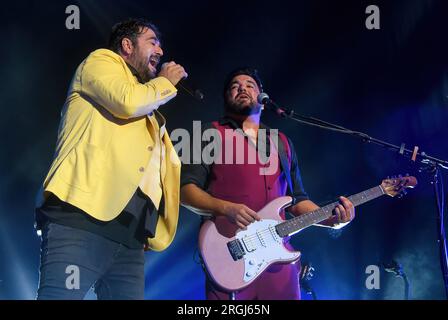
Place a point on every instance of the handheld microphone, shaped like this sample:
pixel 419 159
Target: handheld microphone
pixel 186 86
pixel 263 98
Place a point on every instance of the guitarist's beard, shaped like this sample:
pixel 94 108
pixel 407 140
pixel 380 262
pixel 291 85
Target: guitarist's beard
pixel 244 108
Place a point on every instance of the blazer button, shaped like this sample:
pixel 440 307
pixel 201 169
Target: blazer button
pixel 141 169
pixel 150 148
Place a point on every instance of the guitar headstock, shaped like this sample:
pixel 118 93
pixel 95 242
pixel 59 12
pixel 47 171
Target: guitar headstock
pixel 398 185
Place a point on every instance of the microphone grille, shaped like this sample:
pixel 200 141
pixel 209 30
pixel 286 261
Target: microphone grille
pixel 262 97
pixel 198 94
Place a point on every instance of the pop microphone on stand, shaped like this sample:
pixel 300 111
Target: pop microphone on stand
pixel 263 98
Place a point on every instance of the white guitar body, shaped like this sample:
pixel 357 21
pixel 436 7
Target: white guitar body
pixel 261 244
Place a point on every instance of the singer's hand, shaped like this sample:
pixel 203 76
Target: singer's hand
pixel 173 72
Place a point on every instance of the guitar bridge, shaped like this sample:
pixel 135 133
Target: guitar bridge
pixel 236 249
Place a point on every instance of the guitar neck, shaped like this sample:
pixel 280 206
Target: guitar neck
pixel 303 221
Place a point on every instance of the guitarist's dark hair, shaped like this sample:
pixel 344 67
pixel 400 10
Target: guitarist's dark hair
pixel 251 72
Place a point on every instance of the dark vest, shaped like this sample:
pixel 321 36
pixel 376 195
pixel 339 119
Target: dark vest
pixel 243 182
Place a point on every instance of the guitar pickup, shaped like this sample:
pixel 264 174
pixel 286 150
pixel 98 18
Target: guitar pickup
pixel 236 249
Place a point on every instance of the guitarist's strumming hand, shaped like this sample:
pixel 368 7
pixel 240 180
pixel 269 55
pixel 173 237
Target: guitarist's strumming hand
pixel 239 214
pixel 343 213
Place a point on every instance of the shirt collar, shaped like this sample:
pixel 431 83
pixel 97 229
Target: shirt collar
pixel 135 73
pixel 226 120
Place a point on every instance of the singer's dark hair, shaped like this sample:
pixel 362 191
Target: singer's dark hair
pixel 131 29
pixel 251 72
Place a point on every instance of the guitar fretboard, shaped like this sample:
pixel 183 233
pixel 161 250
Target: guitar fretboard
pixel 303 221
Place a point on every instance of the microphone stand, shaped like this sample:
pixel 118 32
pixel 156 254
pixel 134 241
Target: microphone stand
pixel 396 268
pixel 306 274
pixel 430 164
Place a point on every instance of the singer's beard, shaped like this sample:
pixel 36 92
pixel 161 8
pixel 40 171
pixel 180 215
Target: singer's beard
pixel 141 66
pixel 243 108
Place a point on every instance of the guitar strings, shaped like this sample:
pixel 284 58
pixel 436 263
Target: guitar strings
pixel 360 197
pixel 264 232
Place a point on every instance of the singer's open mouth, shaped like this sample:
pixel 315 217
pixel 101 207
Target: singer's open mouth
pixel 243 96
pixel 154 61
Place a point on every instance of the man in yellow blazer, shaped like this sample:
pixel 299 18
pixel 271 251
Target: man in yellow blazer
pixel 113 187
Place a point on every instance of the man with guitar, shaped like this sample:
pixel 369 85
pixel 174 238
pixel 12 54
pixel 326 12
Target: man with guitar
pixel 233 193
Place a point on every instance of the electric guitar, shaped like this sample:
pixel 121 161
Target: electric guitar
pixel 233 260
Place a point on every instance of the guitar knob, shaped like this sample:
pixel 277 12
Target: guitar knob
pixel 249 274
pixel 252 262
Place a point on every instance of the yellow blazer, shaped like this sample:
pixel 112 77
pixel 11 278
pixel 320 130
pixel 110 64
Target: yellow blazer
pixel 104 143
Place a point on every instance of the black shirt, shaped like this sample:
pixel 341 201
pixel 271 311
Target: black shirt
pixel 131 227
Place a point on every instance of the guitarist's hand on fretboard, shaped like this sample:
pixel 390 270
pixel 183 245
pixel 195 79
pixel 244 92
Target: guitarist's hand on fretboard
pixel 344 213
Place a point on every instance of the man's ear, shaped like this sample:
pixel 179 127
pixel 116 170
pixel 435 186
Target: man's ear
pixel 126 46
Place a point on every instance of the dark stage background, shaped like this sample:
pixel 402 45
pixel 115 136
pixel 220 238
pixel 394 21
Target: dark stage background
pixel 314 56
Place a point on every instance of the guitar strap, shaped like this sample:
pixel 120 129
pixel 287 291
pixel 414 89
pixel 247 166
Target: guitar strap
pixel 284 162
